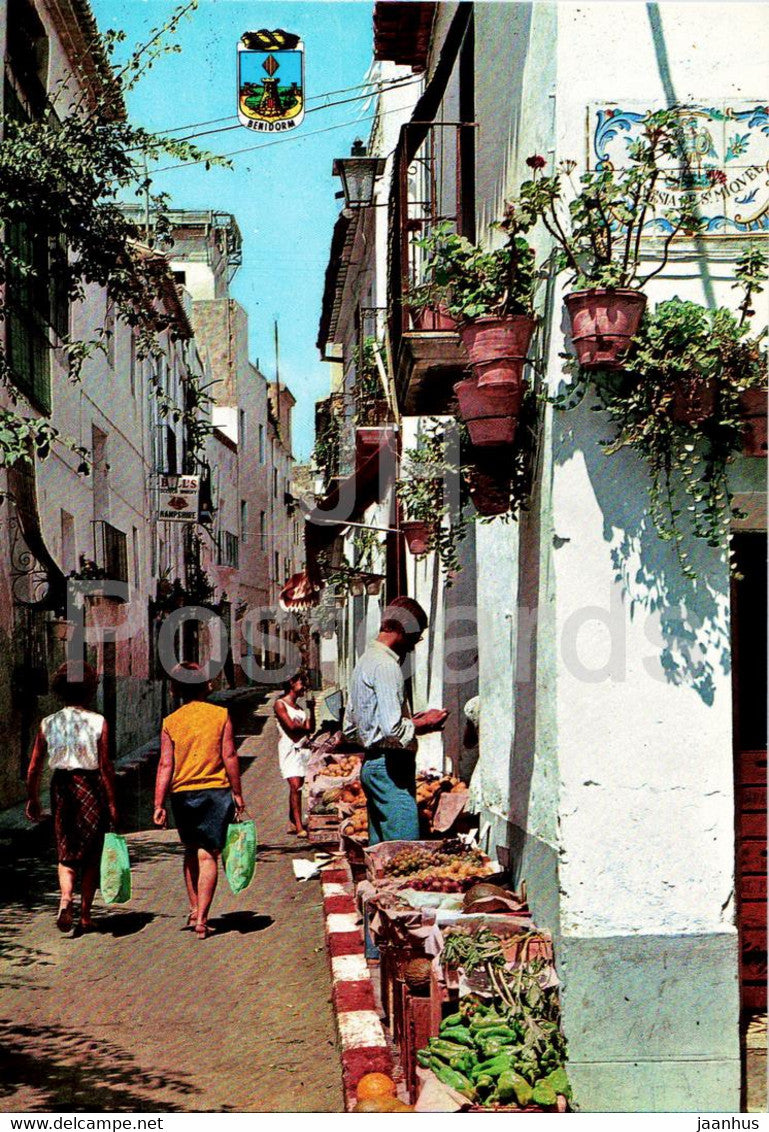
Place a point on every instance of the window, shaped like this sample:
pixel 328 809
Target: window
pixel 286 569
pixel 132 364
pixel 27 55
pixel 228 549
pixel 277 566
pixel 68 558
pixel 275 482
pixel 262 530
pixel 244 520
pixel 242 437
pixel 135 550
pixel 171 453
pixel 111 551
pixel 180 278
pixel 261 443
pixel 109 331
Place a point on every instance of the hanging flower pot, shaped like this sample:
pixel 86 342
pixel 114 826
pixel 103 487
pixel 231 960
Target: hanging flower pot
pixel 374 586
pixel 357 587
pixel 497 347
pixel 489 492
pixel 753 404
pixel 693 401
pixel 418 534
pixel 602 323
pixel 433 318
pixel 490 413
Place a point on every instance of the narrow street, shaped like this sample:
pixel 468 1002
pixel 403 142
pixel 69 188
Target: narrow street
pixel 142 1016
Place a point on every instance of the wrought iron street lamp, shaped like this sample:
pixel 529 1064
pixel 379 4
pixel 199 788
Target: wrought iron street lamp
pixel 358 173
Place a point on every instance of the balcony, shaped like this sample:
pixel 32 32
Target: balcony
pixel 433 185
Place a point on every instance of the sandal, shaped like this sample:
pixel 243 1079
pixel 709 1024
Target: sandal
pixel 64 917
pixel 192 919
pixel 302 833
pixel 203 931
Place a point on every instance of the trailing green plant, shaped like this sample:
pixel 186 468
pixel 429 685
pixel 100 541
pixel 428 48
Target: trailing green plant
pixel 63 176
pixel 367 545
pixel 424 489
pixel 678 405
pixel 597 233
pixel 470 281
pixel 368 384
pixel 327 450
pixel 88 570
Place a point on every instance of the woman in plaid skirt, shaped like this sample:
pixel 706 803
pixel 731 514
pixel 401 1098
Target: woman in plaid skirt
pixel 82 788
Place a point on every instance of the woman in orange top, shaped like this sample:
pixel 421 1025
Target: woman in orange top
pixel 199 764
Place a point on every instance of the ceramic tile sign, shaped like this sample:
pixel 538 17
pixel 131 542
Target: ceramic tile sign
pixel 723 160
pixel 270 81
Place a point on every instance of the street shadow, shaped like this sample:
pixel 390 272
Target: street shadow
pixel 688 616
pixel 120 924
pixel 71 1072
pixel 244 923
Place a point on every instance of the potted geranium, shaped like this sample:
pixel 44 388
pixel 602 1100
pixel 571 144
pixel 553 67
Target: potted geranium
pixel 598 233
pixel 490 294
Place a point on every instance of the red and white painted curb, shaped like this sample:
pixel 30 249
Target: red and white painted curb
pixel 361 1035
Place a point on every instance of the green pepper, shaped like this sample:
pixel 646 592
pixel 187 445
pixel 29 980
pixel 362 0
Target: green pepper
pixel 512 1086
pixel 423 1058
pixel 494 1066
pixel 459 1034
pixel 494 1046
pixel 453 1020
pixel 559 1082
pixel 454 1079
pixel 448 1048
pixel 499 1031
pixel 544 1094
pixel 483 1023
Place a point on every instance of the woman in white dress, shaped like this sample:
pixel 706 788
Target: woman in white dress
pixel 82 789
pixel 294 727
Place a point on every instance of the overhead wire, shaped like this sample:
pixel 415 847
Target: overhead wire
pixel 378 85
pixel 277 141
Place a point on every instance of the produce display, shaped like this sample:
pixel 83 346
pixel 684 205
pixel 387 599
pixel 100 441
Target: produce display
pixel 509 1052
pixel 429 790
pixel 451 867
pixel 356 825
pixel 343 767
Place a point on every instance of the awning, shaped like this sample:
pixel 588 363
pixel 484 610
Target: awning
pixel 299 592
pixel 402 31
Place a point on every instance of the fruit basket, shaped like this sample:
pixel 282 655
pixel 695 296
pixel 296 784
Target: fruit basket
pixel 427 866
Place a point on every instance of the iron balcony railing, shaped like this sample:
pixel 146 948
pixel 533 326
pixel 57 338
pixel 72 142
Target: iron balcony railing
pixel 110 550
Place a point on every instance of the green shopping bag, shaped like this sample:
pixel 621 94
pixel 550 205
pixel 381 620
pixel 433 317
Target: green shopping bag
pixel 239 855
pixel 115 880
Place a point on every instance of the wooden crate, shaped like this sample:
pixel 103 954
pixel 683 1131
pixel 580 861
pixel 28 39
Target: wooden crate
pixel 323 828
pixel 420 1021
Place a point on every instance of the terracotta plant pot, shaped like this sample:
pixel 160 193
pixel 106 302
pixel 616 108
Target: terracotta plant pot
pixel 373 587
pixel 433 318
pixel 491 414
pixel 693 402
pixel 602 323
pixel 357 587
pixel 489 492
pixel 753 403
pixel 418 534
pixel 497 348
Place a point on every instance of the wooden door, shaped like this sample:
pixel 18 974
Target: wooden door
pixel 749 619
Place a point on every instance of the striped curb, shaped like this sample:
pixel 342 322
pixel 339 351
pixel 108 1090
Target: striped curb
pixel 362 1038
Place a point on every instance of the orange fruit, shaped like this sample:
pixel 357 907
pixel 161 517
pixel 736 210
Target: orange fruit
pixel 373 1086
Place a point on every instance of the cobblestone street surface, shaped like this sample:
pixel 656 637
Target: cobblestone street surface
pixel 143 1016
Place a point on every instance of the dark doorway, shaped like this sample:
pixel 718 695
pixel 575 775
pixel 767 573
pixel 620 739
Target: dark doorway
pixel 749 667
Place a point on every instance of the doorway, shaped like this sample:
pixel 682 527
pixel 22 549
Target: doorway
pixel 749 668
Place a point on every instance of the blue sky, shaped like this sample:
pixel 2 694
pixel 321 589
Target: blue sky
pixel 282 194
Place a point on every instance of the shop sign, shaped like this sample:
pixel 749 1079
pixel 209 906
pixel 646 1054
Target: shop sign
pixel 270 81
pixel 178 498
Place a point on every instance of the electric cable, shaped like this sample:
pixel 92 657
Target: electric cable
pixel 277 141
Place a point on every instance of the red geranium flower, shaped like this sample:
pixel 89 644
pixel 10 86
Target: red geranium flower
pixel 536 162
pixel 717 177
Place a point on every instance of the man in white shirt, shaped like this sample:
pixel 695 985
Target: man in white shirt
pixel 377 715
